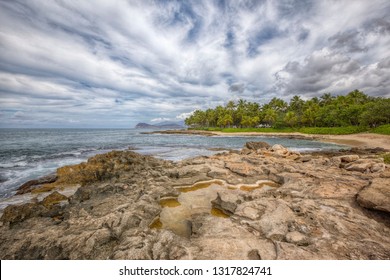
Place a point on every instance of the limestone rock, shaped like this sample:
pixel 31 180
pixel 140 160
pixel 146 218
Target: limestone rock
pixel 242 168
pixel 366 165
pixel 30 185
pixel 280 150
pixel 117 212
pixel 376 196
pixel 226 201
pixel 274 223
pixel 246 151
pixel 53 198
pixel 297 238
pixel 18 213
pixel 349 158
pixel 257 145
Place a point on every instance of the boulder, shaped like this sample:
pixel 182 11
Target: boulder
pixel 257 145
pixel 376 196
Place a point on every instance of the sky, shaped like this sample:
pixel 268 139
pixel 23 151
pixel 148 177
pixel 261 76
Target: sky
pixel 99 63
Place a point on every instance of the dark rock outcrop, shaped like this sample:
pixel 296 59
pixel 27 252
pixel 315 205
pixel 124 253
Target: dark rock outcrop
pixel 257 145
pixel 33 184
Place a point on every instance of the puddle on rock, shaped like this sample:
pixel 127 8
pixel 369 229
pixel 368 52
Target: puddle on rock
pixel 218 213
pixel 263 184
pixel 156 224
pixel 200 185
pixel 169 202
pixel 177 213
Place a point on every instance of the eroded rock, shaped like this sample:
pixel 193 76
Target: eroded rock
pixel 32 184
pixel 118 212
pixel 366 165
pixel 376 196
pixel 53 199
pixel 257 145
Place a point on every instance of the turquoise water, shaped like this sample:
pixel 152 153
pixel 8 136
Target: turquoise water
pixel 26 154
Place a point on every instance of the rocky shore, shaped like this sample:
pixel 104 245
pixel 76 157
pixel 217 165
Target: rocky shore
pixel 259 203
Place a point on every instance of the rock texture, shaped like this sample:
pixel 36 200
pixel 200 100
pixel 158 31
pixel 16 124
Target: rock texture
pixel 33 184
pixel 263 203
pixel 376 196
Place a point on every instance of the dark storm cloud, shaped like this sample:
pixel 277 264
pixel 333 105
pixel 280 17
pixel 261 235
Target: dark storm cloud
pixel 239 88
pixel 350 41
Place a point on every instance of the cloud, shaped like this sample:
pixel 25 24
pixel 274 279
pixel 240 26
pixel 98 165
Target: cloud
pixel 70 63
pixel 328 71
pixel 350 41
pixel 237 88
pixel 160 119
pixel 183 116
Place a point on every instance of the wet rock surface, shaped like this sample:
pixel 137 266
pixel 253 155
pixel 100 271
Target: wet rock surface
pixel 265 203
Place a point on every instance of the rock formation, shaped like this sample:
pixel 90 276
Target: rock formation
pixel 260 203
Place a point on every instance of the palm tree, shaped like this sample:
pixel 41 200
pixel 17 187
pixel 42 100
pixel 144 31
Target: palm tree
pixel 326 99
pixel 270 116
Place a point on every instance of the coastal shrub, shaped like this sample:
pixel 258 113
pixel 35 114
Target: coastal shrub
pixel 261 129
pixel 333 130
pixel 383 129
pixel 306 130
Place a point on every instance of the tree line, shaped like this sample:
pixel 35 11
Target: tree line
pixel 354 109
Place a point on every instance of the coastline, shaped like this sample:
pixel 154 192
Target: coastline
pixel 281 204
pixel 360 140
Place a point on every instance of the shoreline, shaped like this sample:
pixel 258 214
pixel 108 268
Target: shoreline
pixel 266 195
pixel 360 140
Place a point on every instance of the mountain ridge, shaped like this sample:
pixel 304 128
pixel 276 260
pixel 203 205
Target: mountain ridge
pixel 164 125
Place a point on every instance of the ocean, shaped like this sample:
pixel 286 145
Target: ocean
pixel 26 154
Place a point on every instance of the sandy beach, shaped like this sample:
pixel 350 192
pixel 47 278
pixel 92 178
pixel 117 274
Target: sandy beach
pixel 368 140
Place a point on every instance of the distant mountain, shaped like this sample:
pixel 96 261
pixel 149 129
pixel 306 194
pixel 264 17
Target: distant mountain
pixel 145 125
pixel 165 125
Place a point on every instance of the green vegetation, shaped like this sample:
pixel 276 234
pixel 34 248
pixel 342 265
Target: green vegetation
pixel 343 114
pixel 333 130
pixel 308 130
pixel 383 129
pixel 386 158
